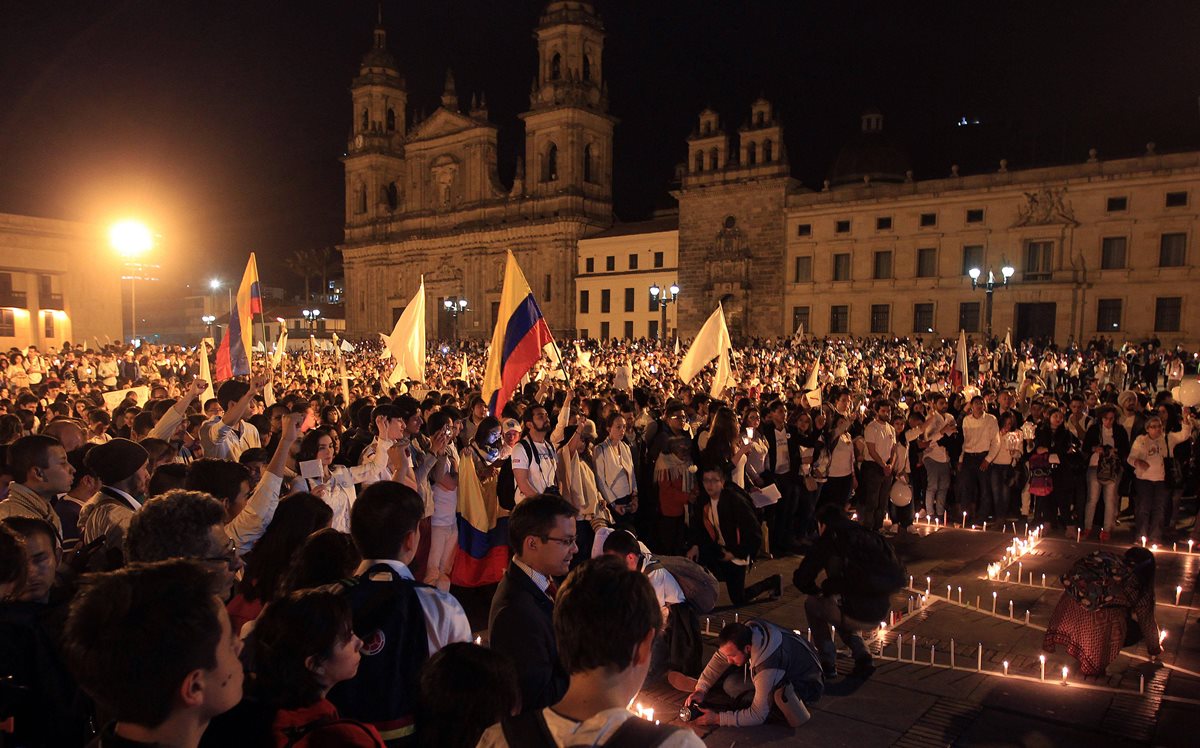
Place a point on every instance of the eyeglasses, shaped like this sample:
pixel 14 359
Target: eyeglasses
pixel 229 557
pixel 567 542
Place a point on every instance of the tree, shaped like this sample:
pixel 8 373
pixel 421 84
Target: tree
pixel 303 262
pixel 326 260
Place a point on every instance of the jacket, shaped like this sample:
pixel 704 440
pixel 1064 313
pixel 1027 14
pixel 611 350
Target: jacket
pixel 739 526
pixel 829 554
pixel 793 446
pixel 22 502
pixel 1091 440
pixel 520 625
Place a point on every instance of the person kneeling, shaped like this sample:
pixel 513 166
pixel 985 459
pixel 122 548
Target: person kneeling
pixel 784 673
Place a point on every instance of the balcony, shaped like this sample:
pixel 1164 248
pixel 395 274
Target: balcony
pixel 52 301
pixel 14 299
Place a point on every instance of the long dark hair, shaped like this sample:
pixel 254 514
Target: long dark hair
pixel 327 556
pixel 465 688
pixel 297 516
pixel 1141 562
pixel 304 624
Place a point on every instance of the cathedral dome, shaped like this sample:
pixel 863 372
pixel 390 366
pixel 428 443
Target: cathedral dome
pixel 870 156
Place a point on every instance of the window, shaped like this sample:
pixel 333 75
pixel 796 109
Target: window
pixel 800 316
pixel 629 299
pixel 839 318
pixel 1037 260
pixel 699 161
pixel 364 121
pixel 883 223
pixel 610 263
pixel 391 119
pixel 45 287
pixel 587 68
pixel 633 262
pixel 8 324
pixel 751 154
pixel 881 318
pixel 1116 204
pixel 975 215
pixel 548 288
pixel 583 333
pixel 590 265
pixel 1167 314
pixel 803 269
pixel 1177 199
pixel 968 316
pixel 804 229
pixel 585 298
pixel 652 303
pixel 605 301
pixel 927 220
pixel 653 331
pixel 628 329
pixel 550 173
pixel 658 259
pixel 1112 253
pixel 360 199
pixel 841 267
pixel 842 227
pixel 604 331
pixel 48 324
pixel 768 151
pixel 972 258
pixel 1108 314
pixel 927 262
pixel 713 159
pixel 587 163
pixel 883 265
pixel 922 318
pixel 1172 250
pixel 556 67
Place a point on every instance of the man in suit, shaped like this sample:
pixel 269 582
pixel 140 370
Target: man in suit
pixel 541 530
pixel 725 535
pixel 783 469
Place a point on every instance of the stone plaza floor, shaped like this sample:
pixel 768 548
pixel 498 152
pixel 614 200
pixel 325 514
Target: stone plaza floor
pixel 914 703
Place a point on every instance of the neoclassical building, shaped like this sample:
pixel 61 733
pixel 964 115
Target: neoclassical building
pixel 425 197
pixel 1098 247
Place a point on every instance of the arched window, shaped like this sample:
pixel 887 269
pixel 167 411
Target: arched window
pixel 556 67
pixel 393 196
pixel 587 163
pixel 699 161
pixel 758 118
pixel 712 160
pixel 751 154
pixel 360 199
pixel 551 172
pixel 587 68
pixel 768 151
pixel 364 121
pixel 391 119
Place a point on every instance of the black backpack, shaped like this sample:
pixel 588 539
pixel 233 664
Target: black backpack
pixel 529 730
pixel 506 486
pixel 871 566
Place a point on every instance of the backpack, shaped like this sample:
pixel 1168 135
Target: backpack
pixel 699 586
pixel 871 566
pixel 1108 467
pixel 529 730
pixel 1041 474
pixel 1098 580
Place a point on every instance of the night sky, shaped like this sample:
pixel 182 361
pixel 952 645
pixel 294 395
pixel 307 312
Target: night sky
pixel 221 122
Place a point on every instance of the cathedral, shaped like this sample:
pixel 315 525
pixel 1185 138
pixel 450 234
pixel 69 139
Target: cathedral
pixel 425 198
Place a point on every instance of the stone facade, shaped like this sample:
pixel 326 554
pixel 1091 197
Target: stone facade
pixel 427 198
pixel 615 270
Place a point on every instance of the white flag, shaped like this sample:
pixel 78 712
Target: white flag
pixel 712 341
pixel 465 374
pixel 347 346
pixel 676 345
pixel 205 372
pixel 800 332
pixel 812 383
pixel 583 358
pixel 407 341
pixel 1008 338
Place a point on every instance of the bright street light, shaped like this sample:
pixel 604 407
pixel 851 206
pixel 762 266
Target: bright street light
pixel 130 238
pixel 974 273
pixel 214 284
pixel 1007 271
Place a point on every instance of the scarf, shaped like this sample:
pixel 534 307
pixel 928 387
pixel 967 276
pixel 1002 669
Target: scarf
pixel 668 467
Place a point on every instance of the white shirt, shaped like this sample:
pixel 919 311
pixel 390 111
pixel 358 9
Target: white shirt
pixel 883 437
pixel 445 620
pixel 445 500
pixel 981 435
pixel 933 432
pixel 783 461
pixel 222 442
pixel 541 580
pixel 614 470
pixel 541 472
pixel 593 731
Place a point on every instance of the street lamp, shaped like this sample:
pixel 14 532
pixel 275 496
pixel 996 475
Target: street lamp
pixel 215 284
pixel 208 319
pixel 131 240
pixel 669 296
pixel 311 315
pixel 454 307
pixel 989 287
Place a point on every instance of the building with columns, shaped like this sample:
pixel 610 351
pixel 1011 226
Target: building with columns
pixel 1100 247
pixel 425 198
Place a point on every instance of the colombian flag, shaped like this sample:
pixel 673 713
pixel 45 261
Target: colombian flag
pixel 482 553
pixel 233 356
pixel 517 342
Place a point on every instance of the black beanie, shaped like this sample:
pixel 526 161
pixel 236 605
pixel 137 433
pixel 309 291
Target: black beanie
pixel 116 460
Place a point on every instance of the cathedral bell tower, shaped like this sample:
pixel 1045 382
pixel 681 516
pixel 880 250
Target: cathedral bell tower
pixel 568 132
pixel 375 152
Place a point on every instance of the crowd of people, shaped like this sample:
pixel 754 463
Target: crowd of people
pixel 276 561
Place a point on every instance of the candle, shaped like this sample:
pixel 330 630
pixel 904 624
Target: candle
pixel 1020 570
pixel 977 602
pixel 1042 660
pixel 1006 667
pixel 979 661
pixel 927 583
pixel 936 523
pixel 810 633
pixel 1178 592
pixel 737 617
pixel 1190 542
pixel 1174 547
pixel 931 652
pixel 1141 684
pixel 479 640
pixel 951 654
pixel 706 629
pixel 964 520
pixel 1143 541
pixel 985 525
pixel 1043 579
pixel 948 594
pixel 993 603
pixel 1007 574
pixel 1078 533
pixel 1027 616
pixel 1064 674
pixel 946 518
pixel 899 648
pixel 1010 609
pixel 1162 636
pixel 960 595
pixel 914 647
pixel 910 581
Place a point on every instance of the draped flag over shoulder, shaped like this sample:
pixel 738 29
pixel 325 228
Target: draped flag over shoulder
pixel 407 341
pixel 482 552
pixel 711 342
pixel 958 374
pixel 521 332
pixel 233 357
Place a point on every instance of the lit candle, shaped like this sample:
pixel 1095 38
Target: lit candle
pixel 993 603
pixel 706 629
pixel 1190 542
pixel 1043 579
pixel 946 518
pixel 1042 660
pixel 979 661
pixel 1174 547
pixel 964 520
pixel 951 654
pixel 479 640
pixel 914 647
pixel 1178 592
pixel 1006 667
pixel 936 523
pixel 810 633
pixel 948 592
pixel 1162 637
pixel 1027 616
pixel 1078 534
pixel 737 617
pixel 1064 674
pixel 1007 574
pixel 910 581
pixel 960 595
pixel 927 583
pixel 931 652
pixel 1143 541
pixel 899 648
pixel 985 525
pixel 1010 609
pixel 1020 570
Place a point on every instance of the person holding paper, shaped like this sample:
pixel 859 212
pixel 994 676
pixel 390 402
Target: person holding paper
pixel 334 484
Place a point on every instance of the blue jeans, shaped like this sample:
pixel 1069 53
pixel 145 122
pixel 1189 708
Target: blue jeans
pixel 1151 510
pixel 938 483
pixel 1003 480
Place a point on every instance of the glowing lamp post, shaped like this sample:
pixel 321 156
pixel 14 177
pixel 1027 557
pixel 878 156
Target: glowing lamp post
pixel 663 297
pixel 989 286
pixel 454 307
pixel 131 240
pixel 312 315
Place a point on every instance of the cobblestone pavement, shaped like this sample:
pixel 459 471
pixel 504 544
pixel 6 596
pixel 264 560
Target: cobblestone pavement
pixel 914 703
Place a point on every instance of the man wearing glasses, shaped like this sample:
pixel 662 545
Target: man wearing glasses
pixel 185 524
pixel 541 531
